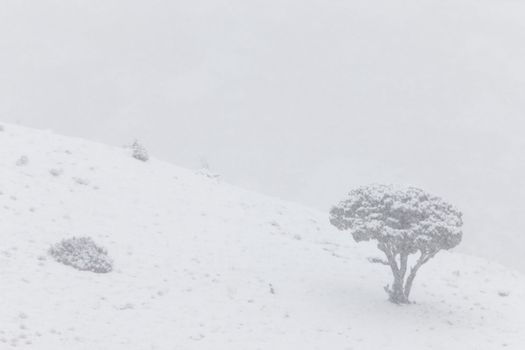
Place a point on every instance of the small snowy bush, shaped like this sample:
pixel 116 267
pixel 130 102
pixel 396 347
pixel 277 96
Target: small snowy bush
pixel 22 161
pixel 207 173
pixel 81 181
pixel 83 254
pixel 56 172
pixel 205 170
pixel 403 221
pixel 139 151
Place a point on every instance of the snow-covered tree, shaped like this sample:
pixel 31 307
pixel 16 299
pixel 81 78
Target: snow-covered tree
pixel 403 221
pixel 139 151
pixel 205 169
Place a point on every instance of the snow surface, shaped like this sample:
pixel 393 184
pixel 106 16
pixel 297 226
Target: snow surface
pixel 203 265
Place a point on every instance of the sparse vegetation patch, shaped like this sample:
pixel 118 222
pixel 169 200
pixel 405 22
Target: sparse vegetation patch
pixel 83 254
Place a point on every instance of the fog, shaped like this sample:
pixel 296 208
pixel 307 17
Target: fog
pixel 302 100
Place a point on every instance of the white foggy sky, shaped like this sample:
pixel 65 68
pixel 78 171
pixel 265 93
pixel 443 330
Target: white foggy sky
pixel 299 99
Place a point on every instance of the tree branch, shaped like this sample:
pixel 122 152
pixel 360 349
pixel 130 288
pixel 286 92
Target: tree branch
pixel 378 261
pixel 423 259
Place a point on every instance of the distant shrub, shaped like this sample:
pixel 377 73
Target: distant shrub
pixel 83 254
pixel 56 172
pixel 22 161
pixel 207 173
pixel 139 151
pixel 205 170
pixel 81 181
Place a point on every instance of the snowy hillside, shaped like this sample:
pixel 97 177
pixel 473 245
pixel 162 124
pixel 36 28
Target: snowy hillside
pixel 203 265
pixel 424 92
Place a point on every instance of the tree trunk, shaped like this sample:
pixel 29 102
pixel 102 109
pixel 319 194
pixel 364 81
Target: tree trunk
pixel 397 292
pixel 423 259
pixel 400 291
pixel 410 281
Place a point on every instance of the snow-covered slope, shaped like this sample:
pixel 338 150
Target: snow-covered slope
pixel 203 265
pixel 424 92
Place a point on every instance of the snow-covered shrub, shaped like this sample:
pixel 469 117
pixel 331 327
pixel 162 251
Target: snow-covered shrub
pixel 56 172
pixel 139 151
pixel 23 160
pixel 205 170
pixel 403 222
pixel 83 254
pixel 207 173
pixel 81 181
